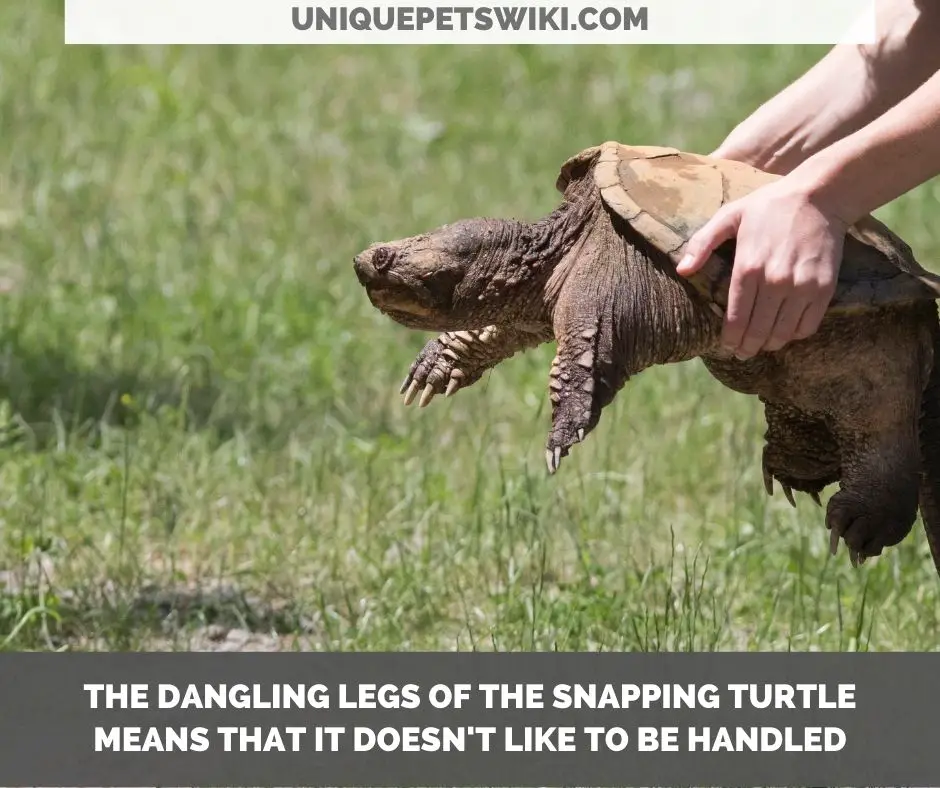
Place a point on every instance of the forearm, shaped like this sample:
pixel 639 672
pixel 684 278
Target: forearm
pixel 851 86
pixel 890 156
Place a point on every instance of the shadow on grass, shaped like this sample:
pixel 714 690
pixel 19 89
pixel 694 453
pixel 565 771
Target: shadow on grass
pixel 125 620
pixel 50 395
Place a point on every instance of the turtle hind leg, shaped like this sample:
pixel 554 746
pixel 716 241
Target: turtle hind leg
pixel 930 454
pixel 800 453
pixel 876 505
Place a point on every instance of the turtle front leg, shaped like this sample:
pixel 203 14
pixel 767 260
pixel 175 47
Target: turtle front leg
pixel 800 452
pixel 572 388
pixel 592 362
pixel 458 359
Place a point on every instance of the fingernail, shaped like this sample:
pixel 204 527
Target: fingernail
pixel 685 262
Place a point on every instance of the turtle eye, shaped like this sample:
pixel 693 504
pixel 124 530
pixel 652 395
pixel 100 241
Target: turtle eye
pixel 382 258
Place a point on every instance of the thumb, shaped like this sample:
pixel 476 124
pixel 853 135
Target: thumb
pixel 722 227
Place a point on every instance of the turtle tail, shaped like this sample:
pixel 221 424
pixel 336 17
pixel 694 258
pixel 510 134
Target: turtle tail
pixel 930 452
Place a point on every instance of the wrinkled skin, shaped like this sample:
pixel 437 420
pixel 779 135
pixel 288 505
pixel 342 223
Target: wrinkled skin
pixel 844 405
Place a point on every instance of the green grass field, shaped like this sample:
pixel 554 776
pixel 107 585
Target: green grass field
pixel 201 441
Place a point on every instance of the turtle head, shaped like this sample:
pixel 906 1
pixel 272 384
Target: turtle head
pixel 449 279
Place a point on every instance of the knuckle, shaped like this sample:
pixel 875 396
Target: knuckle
pixel 779 275
pixel 818 278
pixel 749 263
pixel 721 214
pixel 807 288
pixel 815 284
pixel 726 215
pixel 778 280
pixel 745 279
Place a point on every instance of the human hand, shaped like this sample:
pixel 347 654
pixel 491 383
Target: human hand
pixel 787 260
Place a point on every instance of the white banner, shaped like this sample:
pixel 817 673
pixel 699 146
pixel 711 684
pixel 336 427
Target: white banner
pixel 461 22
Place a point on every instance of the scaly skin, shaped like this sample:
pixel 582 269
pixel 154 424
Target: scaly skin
pixel 845 406
pixel 457 359
pixel 930 453
pixel 800 452
pixel 842 406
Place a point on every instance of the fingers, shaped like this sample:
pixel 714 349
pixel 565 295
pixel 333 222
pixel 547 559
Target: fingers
pixel 804 309
pixel 788 319
pixel 723 226
pixel 812 317
pixel 787 259
pixel 780 313
pixel 742 293
pixel 771 302
pixel 765 308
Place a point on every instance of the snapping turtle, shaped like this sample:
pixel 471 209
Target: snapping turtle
pixel 857 403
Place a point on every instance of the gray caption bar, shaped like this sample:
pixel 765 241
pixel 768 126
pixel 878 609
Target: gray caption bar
pixel 468 719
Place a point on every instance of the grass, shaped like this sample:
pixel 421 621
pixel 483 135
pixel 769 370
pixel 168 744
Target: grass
pixel 199 424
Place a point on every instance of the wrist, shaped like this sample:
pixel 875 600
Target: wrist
pixel 821 181
pixel 763 140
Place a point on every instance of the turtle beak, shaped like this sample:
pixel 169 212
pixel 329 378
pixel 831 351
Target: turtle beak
pixel 376 261
pixel 365 271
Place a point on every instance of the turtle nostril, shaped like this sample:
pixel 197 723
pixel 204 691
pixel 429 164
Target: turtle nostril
pixel 382 258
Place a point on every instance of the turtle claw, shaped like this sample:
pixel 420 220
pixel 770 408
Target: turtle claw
pixel 411 393
pixel 426 396
pixel 768 480
pixel 855 556
pixel 769 486
pixel 834 537
pixel 571 390
pixel 792 485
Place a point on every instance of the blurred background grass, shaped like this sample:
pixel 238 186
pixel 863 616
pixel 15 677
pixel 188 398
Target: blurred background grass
pixel 201 442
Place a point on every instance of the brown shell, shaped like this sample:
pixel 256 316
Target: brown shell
pixel 666 195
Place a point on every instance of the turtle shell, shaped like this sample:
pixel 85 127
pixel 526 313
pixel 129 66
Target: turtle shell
pixel 666 195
